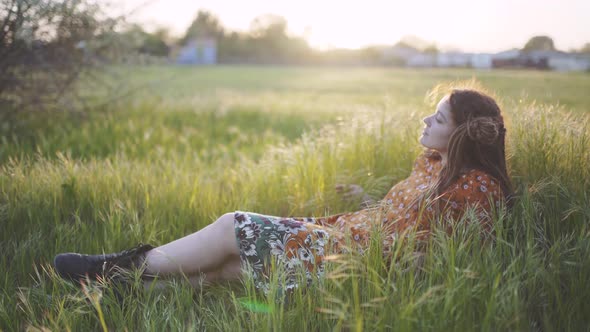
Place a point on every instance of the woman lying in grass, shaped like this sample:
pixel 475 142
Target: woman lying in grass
pixel 463 167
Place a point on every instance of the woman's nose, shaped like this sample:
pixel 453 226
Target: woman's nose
pixel 427 120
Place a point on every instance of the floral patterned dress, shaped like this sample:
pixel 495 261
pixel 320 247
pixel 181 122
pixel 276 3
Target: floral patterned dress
pixel 303 243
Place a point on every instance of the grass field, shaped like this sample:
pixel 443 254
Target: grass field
pixel 193 143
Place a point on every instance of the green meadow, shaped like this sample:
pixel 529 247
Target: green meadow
pixel 172 148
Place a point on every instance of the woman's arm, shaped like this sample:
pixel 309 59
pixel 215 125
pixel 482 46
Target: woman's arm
pixel 354 192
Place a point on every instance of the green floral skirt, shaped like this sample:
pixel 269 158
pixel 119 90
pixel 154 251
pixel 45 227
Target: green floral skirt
pixel 292 243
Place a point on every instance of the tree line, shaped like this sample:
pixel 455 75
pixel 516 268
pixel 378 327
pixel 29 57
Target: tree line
pixel 47 45
pixel 267 42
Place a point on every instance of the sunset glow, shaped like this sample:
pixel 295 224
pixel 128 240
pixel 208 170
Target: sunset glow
pixel 463 24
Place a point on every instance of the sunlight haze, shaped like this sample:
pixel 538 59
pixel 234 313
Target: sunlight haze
pixel 475 26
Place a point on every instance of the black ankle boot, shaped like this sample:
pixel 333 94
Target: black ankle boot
pixel 77 267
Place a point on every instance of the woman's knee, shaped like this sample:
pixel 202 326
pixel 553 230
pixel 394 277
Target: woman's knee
pixel 225 230
pixel 226 220
pixel 231 270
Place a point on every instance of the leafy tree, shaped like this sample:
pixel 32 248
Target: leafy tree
pixel 204 25
pixel 232 48
pixel 147 43
pixel 270 42
pixel 45 45
pixel 539 43
pixel 432 49
pixel 268 37
pixel 269 26
pixel 585 49
pixel 163 34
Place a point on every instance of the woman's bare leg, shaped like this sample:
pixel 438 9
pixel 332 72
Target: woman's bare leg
pixel 207 250
pixel 231 270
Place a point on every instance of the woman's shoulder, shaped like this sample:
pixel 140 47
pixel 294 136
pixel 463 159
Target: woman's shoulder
pixel 474 182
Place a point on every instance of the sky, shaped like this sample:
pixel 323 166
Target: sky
pixel 468 25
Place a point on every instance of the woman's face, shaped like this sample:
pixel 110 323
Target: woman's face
pixel 439 127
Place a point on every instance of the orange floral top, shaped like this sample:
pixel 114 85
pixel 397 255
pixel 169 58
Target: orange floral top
pixel 401 209
pixel 305 241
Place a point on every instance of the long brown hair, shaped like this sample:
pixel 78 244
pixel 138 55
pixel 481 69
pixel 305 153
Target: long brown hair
pixel 477 142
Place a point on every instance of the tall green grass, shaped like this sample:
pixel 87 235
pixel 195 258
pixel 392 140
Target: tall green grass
pixel 156 168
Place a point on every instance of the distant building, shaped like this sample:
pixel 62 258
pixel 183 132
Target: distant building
pixel 570 62
pixel 507 59
pixel 198 52
pixel 554 60
pixel 539 59
pixel 399 54
pixel 422 60
pixel 482 60
pixel 403 54
pixel 453 59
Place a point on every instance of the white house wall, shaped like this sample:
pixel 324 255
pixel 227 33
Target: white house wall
pixel 569 64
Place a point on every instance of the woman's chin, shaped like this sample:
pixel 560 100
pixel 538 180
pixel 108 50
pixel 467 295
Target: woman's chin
pixel 422 140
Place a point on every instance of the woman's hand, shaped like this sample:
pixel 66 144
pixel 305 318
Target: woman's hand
pixel 352 193
pixel 349 192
